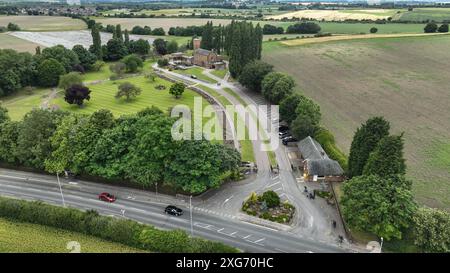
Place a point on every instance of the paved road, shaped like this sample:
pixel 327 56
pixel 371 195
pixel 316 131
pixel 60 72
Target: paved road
pixel 83 195
pixel 311 220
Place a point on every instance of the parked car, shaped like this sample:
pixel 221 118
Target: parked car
pixel 107 197
pixel 288 139
pixel 172 210
pixel 283 128
pixel 284 134
pixel 193 77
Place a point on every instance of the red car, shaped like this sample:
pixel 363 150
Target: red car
pixel 107 197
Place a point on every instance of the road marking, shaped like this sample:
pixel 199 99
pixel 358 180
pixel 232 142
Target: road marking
pixel 73 183
pixel 273 184
pixel 248 236
pixel 281 250
pixel 279 189
pixel 274 177
pixel 228 199
pixel 262 239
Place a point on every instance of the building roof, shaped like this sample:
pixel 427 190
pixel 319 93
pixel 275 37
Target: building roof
pixel 202 51
pixel 311 149
pixel 324 167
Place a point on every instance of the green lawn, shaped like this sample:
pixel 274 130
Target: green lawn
pixel 196 71
pixel 22 102
pixel 102 97
pixel 103 74
pixel 219 73
pixel 18 237
pixel 423 14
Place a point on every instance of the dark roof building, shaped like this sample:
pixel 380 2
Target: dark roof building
pixel 316 162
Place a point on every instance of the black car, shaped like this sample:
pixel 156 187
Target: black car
pixel 283 128
pixel 286 140
pixel 172 210
pixel 284 134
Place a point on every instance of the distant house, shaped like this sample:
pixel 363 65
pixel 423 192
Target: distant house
pixel 316 163
pixel 208 59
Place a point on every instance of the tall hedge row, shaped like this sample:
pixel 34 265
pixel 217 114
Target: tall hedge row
pixel 122 231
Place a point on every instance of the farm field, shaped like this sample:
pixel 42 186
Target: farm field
pixel 67 38
pixel 338 15
pixel 10 42
pixel 18 237
pixel 357 79
pixel 165 23
pixel 43 23
pixel 423 14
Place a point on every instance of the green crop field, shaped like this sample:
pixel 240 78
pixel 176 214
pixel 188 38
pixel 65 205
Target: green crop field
pixel 403 79
pixel 43 23
pixel 18 237
pixel 11 42
pixel 423 14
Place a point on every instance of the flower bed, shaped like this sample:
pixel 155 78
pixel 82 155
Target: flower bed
pixel 268 206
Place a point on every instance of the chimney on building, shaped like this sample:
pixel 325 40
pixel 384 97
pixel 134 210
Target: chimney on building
pixel 196 43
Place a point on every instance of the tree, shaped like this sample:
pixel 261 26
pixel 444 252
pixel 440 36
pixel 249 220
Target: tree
pixel 115 50
pixel 160 46
pixel 443 28
pixel 365 140
pixel 431 230
pixel 67 80
pixel 303 126
pixel 383 206
pixel 172 47
pixel 276 86
pixel 76 94
pixel 98 65
pixel 253 74
pixel 13 27
pixel 430 28
pixel 132 63
pixel 118 33
pixel 126 38
pixel 141 47
pixel 373 30
pixel 9 132
pixel 177 89
pixel 64 56
pixel 128 91
pixel 118 68
pixel 163 62
pixel 387 158
pixel 87 59
pixel 34 132
pixel 159 31
pixel 288 107
pixel 271 198
pixel 307 107
pixel 96 47
pixel 271 29
pixel 49 71
pixel 303 28
pixel 4 117
pixel 17 70
pixel 151 76
pixel 207 36
pixel 197 165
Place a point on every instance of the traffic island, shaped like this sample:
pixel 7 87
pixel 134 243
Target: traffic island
pixel 269 207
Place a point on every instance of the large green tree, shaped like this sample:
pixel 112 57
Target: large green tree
pixel 387 158
pixel 87 59
pixel 432 230
pixel 365 140
pixel 66 57
pixel 115 50
pixel 49 71
pixel 380 205
pixel 276 86
pixel 96 47
pixel 128 90
pixel 33 142
pixel 288 107
pixel 69 79
pixel 177 89
pixel 253 73
pixel 4 117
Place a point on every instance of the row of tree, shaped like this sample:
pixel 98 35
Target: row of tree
pixel 138 148
pixel 432 27
pixel 379 199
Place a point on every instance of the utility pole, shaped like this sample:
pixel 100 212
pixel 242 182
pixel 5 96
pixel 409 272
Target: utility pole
pixel 190 206
pixel 60 189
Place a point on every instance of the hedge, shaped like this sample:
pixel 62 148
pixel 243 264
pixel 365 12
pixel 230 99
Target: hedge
pixel 326 139
pixel 122 231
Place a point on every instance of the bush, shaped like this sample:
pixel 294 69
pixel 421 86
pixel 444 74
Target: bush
pixel 430 28
pixel 126 232
pixel 303 28
pixel 272 199
pixel 163 62
pixel 374 30
pixel 443 28
pixel 132 63
pixel 326 139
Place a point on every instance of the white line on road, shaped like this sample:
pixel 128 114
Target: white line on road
pixel 228 199
pixel 273 184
